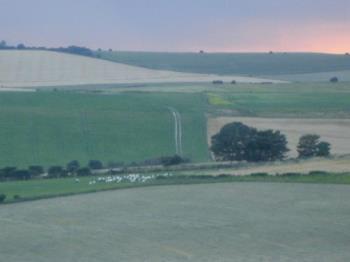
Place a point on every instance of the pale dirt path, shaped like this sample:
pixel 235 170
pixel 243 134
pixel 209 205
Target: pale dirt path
pixel 177 130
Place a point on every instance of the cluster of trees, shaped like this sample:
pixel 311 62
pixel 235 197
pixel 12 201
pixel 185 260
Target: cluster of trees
pixel 239 142
pixel 165 161
pixel 78 50
pixel 311 146
pixel 73 168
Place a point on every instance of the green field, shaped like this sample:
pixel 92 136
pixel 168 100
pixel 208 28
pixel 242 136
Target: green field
pixel 343 76
pixel 217 222
pixel 50 128
pixel 298 100
pixel 48 188
pixel 256 64
pixel 47 128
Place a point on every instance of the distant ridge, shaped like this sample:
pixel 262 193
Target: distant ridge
pixel 28 68
pixel 249 64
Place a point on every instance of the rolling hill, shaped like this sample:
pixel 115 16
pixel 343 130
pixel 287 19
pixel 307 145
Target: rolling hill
pixel 285 66
pixel 44 68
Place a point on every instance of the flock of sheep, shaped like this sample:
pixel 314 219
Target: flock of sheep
pixel 131 178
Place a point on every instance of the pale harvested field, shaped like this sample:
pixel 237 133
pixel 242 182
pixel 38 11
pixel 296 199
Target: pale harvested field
pixel 218 222
pixel 335 131
pixel 337 165
pixel 43 68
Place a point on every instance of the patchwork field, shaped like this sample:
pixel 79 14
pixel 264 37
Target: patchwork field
pixel 55 127
pixel 216 222
pixel 43 68
pixel 335 131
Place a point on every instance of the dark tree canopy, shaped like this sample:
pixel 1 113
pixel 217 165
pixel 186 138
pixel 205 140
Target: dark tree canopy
pixel 36 170
pixel 2 198
pixel 95 164
pixel 334 80
pixel 55 172
pixel 73 166
pixel 238 142
pixel 84 171
pixel 324 149
pixel 311 146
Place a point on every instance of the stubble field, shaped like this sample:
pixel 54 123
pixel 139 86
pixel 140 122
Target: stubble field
pixel 216 222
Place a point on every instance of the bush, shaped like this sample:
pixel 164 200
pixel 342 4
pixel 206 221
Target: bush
pixel 218 82
pixel 173 160
pixel 259 174
pixel 22 175
pixel 56 172
pixel 36 171
pixel 95 164
pixel 16 197
pixel 2 198
pixel 73 166
pixel 7 172
pixel 334 80
pixel 85 171
pixel 290 174
pixel 318 173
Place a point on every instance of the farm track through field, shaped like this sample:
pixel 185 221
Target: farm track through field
pixel 178 130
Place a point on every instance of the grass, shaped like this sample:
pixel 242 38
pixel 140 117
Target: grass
pixel 256 64
pixel 287 100
pixel 50 128
pixel 217 100
pixel 47 188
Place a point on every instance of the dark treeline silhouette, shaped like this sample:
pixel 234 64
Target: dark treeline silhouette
pixel 78 50
pixel 74 169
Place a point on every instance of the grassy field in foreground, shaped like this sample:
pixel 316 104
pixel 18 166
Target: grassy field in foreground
pixel 255 64
pixel 217 222
pixel 43 188
pixel 49 128
pixel 298 100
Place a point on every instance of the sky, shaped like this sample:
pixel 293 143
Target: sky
pixel 180 25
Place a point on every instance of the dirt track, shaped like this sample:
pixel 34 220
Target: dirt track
pixel 177 131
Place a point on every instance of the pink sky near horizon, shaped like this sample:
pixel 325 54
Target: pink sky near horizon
pixel 180 25
pixel 263 36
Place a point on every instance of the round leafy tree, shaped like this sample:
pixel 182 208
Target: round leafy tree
pixel 238 142
pixel 311 146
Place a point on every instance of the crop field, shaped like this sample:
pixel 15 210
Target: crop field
pixel 343 76
pixel 216 222
pixel 50 128
pixel 251 64
pixel 42 68
pixel 298 100
pixel 338 164
pixel 334 131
